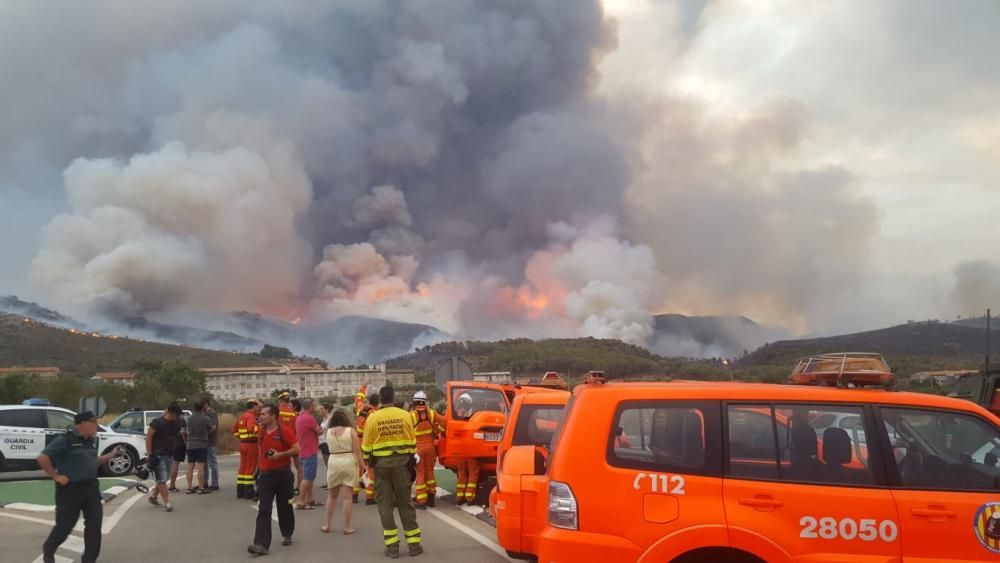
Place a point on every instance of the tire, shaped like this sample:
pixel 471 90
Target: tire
pixel 122 465
pixel 717 555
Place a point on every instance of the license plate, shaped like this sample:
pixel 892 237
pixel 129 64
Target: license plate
pixel 491 436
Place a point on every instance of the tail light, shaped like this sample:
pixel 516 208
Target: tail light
pixel 562 506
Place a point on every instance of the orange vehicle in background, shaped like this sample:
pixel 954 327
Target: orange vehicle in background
pixel 690 472
pixel 516 502
pixel 474 419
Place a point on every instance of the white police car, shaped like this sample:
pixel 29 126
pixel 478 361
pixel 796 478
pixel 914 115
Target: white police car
pixel 25 430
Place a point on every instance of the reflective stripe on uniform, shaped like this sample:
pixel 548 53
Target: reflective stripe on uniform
pixel 412 536
pixel 391 536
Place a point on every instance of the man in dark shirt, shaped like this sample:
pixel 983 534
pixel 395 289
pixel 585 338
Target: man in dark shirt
pixel 161 440
pixel 71 461
pixel 198 427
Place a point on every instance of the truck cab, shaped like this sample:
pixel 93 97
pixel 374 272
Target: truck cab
pixel 474 421
pixel 475 417
pixel 522 457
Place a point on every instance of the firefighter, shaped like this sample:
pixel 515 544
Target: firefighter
pixel 359 400
pixel 245 429
pixel 390 446
pixel 468 467
pixel 286 418
pixel 427 428
pixel 362 417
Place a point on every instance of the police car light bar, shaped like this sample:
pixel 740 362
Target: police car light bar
pixel 846 369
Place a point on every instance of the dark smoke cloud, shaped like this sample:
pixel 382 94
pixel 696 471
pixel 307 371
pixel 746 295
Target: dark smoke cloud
pixel 450 162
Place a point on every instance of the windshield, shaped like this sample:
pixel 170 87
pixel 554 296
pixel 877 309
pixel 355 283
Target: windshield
pixel 943 449
pixel 467 401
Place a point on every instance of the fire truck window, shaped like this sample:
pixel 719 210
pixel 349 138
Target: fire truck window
pixel 466 401
pixel 664 438
pixel 752 453
pixel 824 444
pixel 944 450
pixel 536 425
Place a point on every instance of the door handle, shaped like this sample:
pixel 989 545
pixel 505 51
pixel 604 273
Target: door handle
pixel 934 513
pixel 761 502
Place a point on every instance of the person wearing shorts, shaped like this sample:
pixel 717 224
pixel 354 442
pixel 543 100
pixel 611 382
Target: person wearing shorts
pixel 198 427
pixel 162 438
pixel 308 432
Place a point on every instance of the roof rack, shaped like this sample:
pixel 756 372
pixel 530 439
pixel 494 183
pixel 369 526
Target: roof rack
pixel 844 369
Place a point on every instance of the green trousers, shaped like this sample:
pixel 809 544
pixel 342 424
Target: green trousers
pixel 392 492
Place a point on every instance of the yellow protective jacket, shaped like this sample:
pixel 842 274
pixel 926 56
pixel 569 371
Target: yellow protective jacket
pixel 388 431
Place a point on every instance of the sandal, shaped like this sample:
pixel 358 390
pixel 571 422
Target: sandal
pixel 314 503
pixel 325 529
pixel 190 491
pixel 348 532
pixel 203 491
pixel 173 490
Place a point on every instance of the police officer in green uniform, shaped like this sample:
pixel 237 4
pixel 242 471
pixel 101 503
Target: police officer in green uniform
pixel 71 461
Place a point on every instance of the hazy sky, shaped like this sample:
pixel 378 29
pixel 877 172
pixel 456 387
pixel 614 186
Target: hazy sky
pixel 505 168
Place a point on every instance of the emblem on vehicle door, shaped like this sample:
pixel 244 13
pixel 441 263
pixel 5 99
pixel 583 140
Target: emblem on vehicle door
pixel 986 525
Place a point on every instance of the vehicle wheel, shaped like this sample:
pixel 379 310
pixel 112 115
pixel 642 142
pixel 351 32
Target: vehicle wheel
pixel 122 465
pixel 717 555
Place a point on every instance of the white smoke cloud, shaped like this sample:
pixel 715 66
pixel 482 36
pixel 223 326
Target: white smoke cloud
pixel 177 228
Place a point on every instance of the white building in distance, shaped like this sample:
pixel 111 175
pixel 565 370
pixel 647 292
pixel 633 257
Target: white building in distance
pixel 308 381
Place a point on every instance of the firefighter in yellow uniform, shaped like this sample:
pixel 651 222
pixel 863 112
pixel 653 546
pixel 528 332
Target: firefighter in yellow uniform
pixel 390 446
pixel 427 428
pixel 246 430
pixel 362 417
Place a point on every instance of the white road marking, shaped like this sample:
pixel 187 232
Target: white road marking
pixel 73 543
pixel 27 507
pixel 116 490
pixel 59 559
pixel 274 511
pixel 486 542
pixel 110 523
pixel 28 518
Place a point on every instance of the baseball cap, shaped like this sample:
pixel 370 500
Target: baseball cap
pixel 85 416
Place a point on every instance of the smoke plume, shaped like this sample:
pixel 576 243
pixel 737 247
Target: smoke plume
pixel 487 168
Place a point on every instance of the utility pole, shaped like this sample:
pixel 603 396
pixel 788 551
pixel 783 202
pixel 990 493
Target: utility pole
pixel 987 342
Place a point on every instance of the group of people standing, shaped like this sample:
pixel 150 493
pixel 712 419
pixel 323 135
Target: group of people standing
pixel 392 446
pixel 172 439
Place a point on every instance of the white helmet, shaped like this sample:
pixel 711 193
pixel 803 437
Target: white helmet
pixel 464 400
pixel 420 396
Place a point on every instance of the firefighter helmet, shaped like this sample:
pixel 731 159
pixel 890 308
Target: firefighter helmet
pixel 464 402
pixel 420 396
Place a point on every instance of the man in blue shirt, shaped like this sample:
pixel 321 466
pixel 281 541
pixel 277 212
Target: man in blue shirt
pixel 71 461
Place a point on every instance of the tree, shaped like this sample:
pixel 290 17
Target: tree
pixel 14 388
pixel 158 383
pixel 277 352
pixel 64 391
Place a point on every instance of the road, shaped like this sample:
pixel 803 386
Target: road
pixel 218 527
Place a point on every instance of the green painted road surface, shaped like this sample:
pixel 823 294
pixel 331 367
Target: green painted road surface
pixel 445 478
pixel 41 491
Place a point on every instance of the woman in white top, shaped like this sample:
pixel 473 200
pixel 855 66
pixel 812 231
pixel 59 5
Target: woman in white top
pixel 343 468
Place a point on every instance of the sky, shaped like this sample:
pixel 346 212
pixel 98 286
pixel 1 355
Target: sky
pixel 502 169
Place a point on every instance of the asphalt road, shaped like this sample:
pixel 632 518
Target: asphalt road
pixel 218 527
